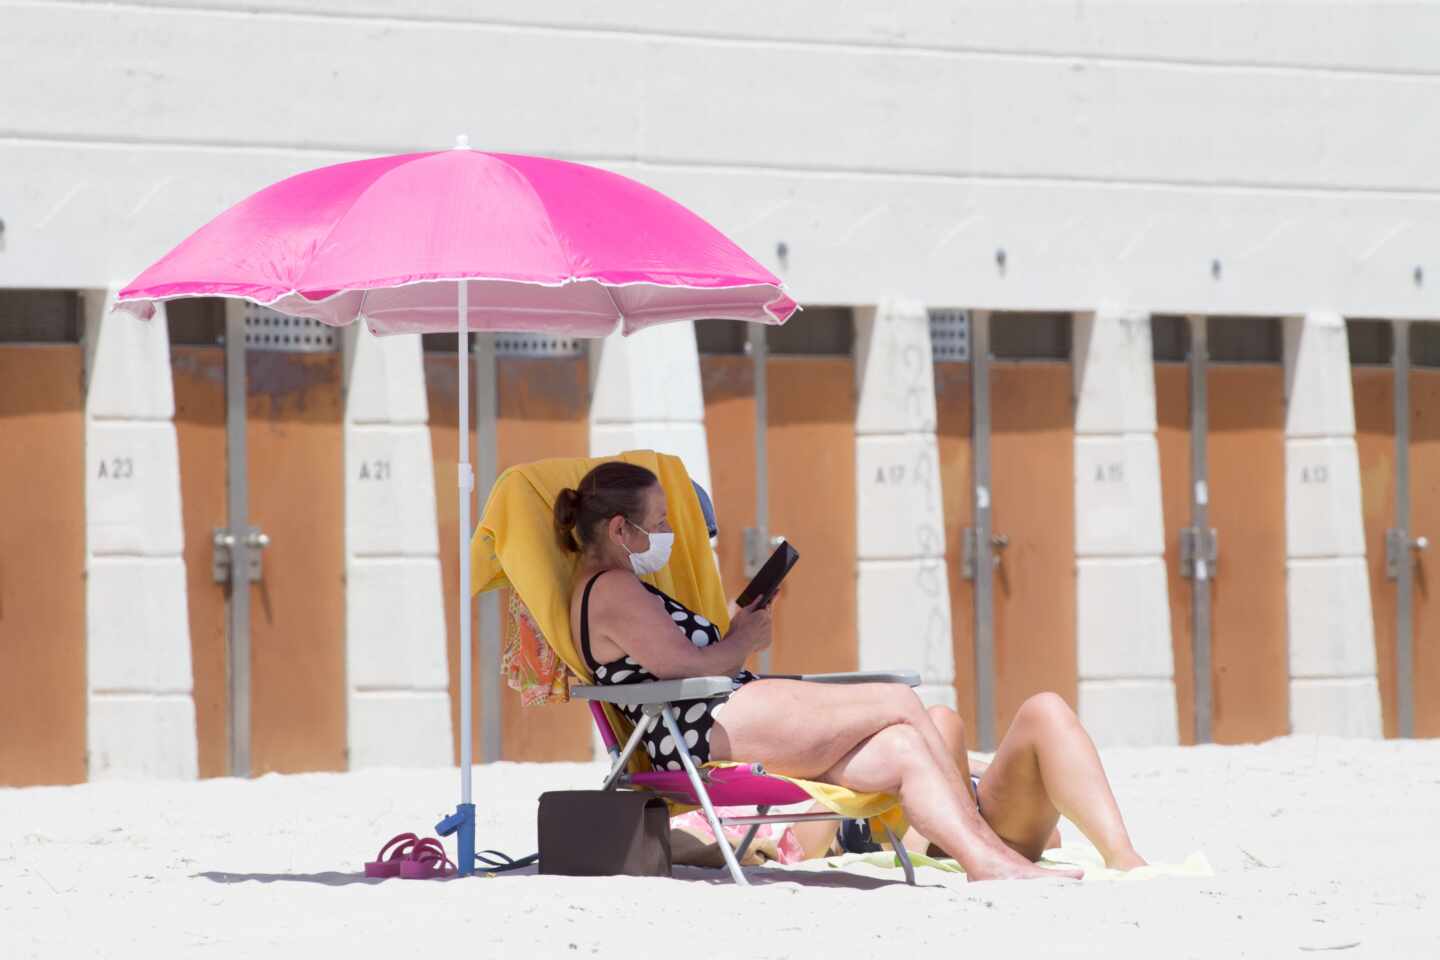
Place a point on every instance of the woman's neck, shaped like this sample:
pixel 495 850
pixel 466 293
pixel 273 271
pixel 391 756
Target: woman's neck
pixel 591 564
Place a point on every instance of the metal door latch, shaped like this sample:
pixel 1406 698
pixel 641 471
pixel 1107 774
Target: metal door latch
pixel 1199 554
pixel 1396 542
pixel 755 550
pixel 968 550
pixel 223 542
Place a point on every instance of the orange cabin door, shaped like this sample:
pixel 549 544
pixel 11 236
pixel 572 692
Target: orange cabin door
pixel 1425 521
pixel 1374 389
pixel 42 565
pixel 953 432
pixel 296 474
pixel 543 411
pixel 198 374
pixel 727 382
pixel 810 436
pixel 442 388
pixel 1245 449
pixel 295 470
pixel 1374 392
pixel 810 452
pixel 1249 649
pixel 1033 505
pixel 1172 416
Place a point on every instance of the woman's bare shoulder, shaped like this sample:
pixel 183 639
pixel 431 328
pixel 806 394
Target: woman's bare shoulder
pixel 616 590
pixel 612 588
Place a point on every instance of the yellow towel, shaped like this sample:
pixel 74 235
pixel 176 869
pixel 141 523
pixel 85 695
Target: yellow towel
pixel 1084 857
pixel 515 546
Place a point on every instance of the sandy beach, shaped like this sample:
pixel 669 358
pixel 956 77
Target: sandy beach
pixel 1317 846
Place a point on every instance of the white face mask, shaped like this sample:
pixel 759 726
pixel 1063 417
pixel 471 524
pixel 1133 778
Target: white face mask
pixel 654 558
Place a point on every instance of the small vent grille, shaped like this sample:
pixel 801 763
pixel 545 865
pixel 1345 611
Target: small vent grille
pixel 950 336
pixel 536 345
pixel 266 329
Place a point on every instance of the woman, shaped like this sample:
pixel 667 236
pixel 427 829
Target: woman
pixel 869 737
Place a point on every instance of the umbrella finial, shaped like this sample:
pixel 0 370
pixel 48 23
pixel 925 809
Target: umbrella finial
pixel 462 142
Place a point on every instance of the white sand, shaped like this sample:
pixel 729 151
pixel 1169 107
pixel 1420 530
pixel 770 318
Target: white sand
pixel 1318 846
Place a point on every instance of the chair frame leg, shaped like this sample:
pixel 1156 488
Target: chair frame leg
pixel 744 848
pixel 623 759
pixel 667 715
pixel 903 854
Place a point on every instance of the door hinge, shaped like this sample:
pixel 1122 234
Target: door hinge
pixel 969 550
pixel 1199 553
pixel 223 551
pixel 1396 543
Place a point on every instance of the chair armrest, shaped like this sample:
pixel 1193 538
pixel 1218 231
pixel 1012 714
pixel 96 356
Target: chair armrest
pixel 907 677
pixel 660 691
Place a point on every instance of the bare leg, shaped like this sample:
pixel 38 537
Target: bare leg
pixel 874 737
pixel 892 761
pixel 952 730
pixel 1047 766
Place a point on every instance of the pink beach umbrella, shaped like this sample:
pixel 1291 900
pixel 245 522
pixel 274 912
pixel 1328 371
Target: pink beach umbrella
pixel 461 240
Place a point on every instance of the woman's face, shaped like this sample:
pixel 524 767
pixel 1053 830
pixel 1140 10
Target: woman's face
pixel 655 520
pixel 652 519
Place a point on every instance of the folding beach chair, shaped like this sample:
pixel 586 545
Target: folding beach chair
pixel 715 785
pixel 515 546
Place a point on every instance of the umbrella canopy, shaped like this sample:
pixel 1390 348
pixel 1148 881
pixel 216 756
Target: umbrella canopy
pixel 545 245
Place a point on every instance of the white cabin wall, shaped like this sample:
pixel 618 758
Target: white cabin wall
pixel 1114 153
pixel 397 678
pixel 1257 158
pixel 141 706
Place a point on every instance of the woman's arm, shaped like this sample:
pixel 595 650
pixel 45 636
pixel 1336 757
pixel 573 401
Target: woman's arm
pixel 626 614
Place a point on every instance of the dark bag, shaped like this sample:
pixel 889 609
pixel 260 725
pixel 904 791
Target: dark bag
pixel 602 833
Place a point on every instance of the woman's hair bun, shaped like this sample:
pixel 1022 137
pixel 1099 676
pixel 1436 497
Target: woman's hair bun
pixel 567 513
pixel 613 488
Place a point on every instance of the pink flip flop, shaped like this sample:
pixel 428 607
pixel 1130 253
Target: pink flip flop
pixel 397 851
pixel 427 861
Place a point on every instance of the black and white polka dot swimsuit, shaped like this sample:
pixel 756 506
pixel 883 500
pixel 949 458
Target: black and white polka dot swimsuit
pixel 695 718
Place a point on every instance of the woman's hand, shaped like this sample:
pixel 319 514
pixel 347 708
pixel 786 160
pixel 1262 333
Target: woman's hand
pixel 752 626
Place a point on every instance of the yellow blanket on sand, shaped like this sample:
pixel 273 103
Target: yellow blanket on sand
pixel 515 546
pixel 1085 857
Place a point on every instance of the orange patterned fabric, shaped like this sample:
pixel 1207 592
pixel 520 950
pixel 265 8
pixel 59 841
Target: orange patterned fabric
pixel 529 664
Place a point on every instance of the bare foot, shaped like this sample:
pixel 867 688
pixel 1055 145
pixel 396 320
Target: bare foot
pixel 1127 860
pixel 993 865
pixel 1031 871
pixel 1027 871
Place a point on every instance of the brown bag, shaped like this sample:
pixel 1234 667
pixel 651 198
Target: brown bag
pixel 602 833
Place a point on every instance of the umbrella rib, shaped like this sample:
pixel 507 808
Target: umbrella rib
pixel 540 202
pixel 360 195
pixel 619 314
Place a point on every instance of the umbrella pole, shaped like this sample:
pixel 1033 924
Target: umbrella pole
pixel 463 819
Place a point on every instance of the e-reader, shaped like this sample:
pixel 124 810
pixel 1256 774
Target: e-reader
pixel 767 581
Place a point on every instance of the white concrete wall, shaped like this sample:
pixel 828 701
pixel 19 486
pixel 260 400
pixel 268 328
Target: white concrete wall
pixel 645 395
pixel 141 716
pixel 397 673
pixel 1112 150
pixel 902 590
pixel 1125 663
pixel 1333 687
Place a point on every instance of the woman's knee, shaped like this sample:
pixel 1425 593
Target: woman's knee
pixel 899 702
pixel 903 744
pixel 1046 709
pixel 951 727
